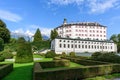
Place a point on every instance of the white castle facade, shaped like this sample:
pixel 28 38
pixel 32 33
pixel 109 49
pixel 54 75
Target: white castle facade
pixel 82 37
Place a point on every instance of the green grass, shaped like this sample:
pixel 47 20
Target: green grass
pixel 24 71
pixel 37 56
pixel 105 77
pixel 72 64
pixel 20 72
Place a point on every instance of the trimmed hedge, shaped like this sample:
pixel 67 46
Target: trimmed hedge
pixel 55 63
pixel 86 62
pixel 5 69
pixel 76 73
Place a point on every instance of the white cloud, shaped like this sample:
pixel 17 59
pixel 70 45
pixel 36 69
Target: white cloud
pixel 94 6
pixel 97 6
pixel 65 2
pixel 7 15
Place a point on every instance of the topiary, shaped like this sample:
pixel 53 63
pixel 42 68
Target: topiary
pixel 72 54
pixel 63 54
pixel 24 52
pixel 50 54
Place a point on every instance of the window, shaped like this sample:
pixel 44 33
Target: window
pixel 68 46
pixel 60 40
pixel 92 46
pixel 98 47
pixel 85 46
pixel 82 46
pixel 75 46
pixel 79 46
pixel 111 47
pixel 60 45
pixel 89 46
pixel 64 46
pixel 95 47
pixel 72 46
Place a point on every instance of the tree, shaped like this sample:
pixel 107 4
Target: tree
pixel 116 39
pixel 37 36
pixel 24 51
pixel 53 34
pixel 4 32
pixel 1 44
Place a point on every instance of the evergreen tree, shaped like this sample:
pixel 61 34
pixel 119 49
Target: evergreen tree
pixel 24 51
pixel 4 32
pixel 37 36
pixel 53 34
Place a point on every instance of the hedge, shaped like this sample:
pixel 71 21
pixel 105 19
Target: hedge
pixel 5 69
pixel 55 63
pixel 86 62
pixel 76 73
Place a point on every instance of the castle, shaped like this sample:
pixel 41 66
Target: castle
pixel 82 37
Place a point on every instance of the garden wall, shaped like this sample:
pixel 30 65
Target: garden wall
pixel 5 69
pixel 76 73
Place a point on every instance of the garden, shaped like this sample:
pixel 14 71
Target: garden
pixel 61 67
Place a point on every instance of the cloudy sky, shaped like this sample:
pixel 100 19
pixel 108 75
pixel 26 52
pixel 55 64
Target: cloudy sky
pixel 25 16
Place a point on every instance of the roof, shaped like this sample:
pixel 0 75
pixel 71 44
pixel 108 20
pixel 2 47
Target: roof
pixel 82 24
pixel 108 41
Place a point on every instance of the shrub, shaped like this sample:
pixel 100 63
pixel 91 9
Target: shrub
pixel 63 54
pixel 50 54
pixel 24 52
pixel 106 57
pixel 96 55
pixel 1 58
pixel 7 54
pixel 72 54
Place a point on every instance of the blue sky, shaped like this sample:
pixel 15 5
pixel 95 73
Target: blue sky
pixel 25 16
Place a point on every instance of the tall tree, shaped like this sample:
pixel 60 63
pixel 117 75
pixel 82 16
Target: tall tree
pixel 37 36
pixel 53 34
pixel 4 32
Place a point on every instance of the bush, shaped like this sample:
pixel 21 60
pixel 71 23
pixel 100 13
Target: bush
pixel 50 54
pixel 24 52
pixel 1 58
pixel 7 54
pixel 106 57
pixel 96 55
pixel 72 54
pixel 63 54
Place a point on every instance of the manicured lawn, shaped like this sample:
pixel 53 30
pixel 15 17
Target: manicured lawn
pixel 24 71
pixel 72 64
pixel 20 72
